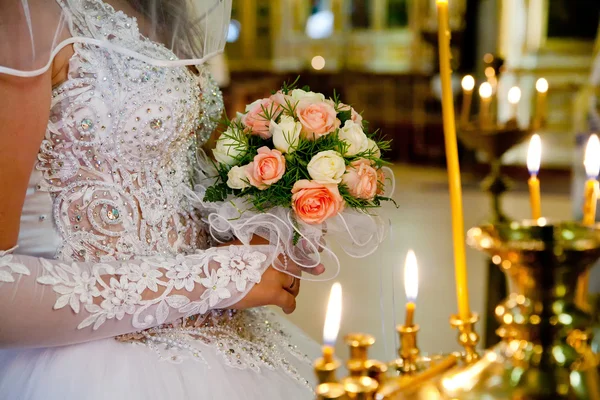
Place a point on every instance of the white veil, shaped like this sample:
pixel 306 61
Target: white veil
pixel 32 32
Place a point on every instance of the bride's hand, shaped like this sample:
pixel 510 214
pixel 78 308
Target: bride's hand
pixel 275 288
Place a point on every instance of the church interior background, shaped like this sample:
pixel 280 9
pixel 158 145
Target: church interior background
pixel 380 55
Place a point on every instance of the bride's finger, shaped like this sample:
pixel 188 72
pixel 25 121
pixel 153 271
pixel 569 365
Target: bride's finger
pixel 316 271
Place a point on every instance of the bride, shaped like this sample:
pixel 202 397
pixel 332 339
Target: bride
pixel 110 286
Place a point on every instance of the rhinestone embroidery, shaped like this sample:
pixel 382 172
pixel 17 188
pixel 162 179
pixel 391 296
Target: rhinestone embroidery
pixel 156 123
pixel 86 124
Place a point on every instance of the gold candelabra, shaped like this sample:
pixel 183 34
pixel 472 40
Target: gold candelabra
pixel 545 350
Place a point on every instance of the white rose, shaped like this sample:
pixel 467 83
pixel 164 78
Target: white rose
pixel 354 136
pixel 327 167
pixel 285 134
pixel 237 178
pixel 299 94
pixel 230 145
pixel 372 146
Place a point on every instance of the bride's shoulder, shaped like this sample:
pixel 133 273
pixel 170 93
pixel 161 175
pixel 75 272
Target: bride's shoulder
pixel 29 30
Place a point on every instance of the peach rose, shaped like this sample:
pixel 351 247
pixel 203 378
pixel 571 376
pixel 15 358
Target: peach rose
pixel 267 168
pixel 361 179
pixel 317 119
pixel 313 202
pixel 282 99
pixel 257 120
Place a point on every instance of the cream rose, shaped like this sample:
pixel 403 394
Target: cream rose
pixel 237 178
pixel 327 167
pixel 299 94
pixel 230 146
pixel 353 135
pixel 286 134
pixel 313 202
pixel 372 146
pixel 317 119
pixel 362 179
pixel 267 168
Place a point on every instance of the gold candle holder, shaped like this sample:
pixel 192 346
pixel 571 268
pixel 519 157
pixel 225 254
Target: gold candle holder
pixel 408 351
pixel 467 337
pixel 359 344
pixel 326 366
pixel 376 370
pixel 331 391
pixel 360 387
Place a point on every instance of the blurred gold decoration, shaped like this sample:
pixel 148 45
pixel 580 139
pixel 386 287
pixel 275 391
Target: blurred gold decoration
pixel 545 352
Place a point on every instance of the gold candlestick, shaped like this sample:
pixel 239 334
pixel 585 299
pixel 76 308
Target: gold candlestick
pixel 360 387
pixel 467 337
pixel 408 351
pixel 326 366
pixel 359 344
pixel 376 370
pixel 331 391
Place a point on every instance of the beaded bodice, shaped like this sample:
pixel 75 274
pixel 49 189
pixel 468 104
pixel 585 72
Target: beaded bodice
pixel 120 143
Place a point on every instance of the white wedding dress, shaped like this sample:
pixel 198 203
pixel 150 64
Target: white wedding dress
pixel 114 290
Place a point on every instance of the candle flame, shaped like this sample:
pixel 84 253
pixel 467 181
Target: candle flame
pixel 468 83
pixel 541 85
pixel 592 157
pixel 411 276
pixel 333 315
pixel 485 90
pixel 442 1
pixel 534 154
pixel 514 95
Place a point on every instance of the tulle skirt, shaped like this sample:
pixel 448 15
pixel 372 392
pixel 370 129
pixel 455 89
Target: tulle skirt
pixel 109 369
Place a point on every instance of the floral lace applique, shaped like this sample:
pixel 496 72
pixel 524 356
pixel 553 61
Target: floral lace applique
pixel 9 267
pixel 107 292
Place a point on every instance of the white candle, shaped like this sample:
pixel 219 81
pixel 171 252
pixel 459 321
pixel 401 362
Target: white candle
pixel 468 83
pixel 485 94
pixel 333 316
pixel 514 96
pixel 541 86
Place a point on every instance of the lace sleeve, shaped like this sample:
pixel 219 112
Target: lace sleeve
pixel 49 302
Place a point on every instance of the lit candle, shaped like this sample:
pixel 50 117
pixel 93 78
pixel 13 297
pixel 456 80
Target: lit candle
pixel 332 319
pixel 485 94
pixel 411 286
pixel 468 83
pixel 514 96
pixel 460 263
pixel 592 165
pixel 534 156
pixel 592 169
pixel 541 86
pixel 326 367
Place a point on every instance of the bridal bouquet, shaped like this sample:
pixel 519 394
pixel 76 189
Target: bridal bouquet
pixel 305 160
